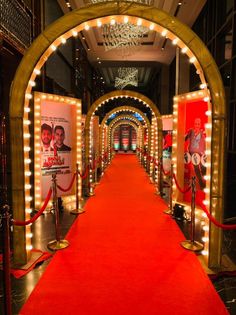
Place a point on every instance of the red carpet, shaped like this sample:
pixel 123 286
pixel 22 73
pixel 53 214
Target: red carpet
pixel 124 257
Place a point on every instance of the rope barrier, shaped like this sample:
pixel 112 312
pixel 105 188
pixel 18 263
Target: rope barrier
pixel 163 171
pixel 70 186
pixel 32 220
pixel 178 186
pixel 214 221
pixel 93 165
pixel 83 176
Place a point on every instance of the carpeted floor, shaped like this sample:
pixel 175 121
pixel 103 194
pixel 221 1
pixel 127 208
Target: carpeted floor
pixel 124 257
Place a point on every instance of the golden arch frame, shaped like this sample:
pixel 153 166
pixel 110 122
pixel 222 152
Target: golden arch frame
pixel 35 56
pixel 126 108
pixel 127 119
pixel 119 123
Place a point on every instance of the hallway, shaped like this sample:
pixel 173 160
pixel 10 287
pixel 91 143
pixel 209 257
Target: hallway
pixel 124 257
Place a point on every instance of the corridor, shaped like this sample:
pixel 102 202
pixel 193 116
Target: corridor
pixel 124 257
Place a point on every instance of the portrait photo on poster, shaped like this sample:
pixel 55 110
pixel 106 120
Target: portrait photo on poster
pixel 195 148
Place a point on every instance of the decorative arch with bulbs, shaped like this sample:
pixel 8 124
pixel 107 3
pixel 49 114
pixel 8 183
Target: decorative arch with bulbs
pixel 94 16
pixel 152 132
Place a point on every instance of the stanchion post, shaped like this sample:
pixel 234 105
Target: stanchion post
pixel 192 244
pixel 170 209
pixel 5 218
pixel 161 176
pixel 57 243
pixel 77 209
pixel 6 260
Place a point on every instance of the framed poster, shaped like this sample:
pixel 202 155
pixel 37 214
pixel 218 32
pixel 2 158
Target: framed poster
pixel 191 146
pixel 56 149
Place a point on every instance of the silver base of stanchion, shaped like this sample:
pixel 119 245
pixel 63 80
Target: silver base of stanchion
pixel 77 211
pixel 192 245
pixel 57 245
pixel 168 211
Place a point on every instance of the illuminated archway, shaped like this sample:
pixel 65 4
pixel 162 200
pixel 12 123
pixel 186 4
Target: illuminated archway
pixel 131 118
pixel 131 109
pixel 112 129
pixel 68 26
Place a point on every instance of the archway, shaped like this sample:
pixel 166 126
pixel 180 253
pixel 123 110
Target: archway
pixel 132 109
pixel 123 122
pixel 130 118
pixel 69 25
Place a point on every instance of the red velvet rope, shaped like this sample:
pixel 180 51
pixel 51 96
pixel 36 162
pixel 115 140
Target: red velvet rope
pixel 70 186
pixel 214 221
pixel 35 217
pixel 83 176
pixel 163 171
pixel 93 165
pixel 178 186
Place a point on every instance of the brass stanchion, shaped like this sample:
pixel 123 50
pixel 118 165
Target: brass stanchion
pixel 5 219
pixel 77 209
pixel 192 244
pixel 170 209
pixel 56 244
pixel 6 260
pixel 91 190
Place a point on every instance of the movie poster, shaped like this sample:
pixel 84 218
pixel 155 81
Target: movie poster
pixel 167 123
pixel 57 149
pixel 195 147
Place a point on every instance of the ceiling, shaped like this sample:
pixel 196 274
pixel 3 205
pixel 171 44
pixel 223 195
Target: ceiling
pixel 152 50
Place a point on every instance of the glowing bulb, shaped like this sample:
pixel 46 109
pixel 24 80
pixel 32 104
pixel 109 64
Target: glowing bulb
pixel 151 27
pixel 86 27
pixel 203 86
pixel 32 83
pixel 163 33
pixel 139 22
pixel 175 41
pixel 37 71
pixel 28 96
pixel 53 47
pixel 126 19
pixel 184 50
pixel 208 113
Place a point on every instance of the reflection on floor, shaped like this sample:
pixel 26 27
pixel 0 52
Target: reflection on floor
pixel 44 232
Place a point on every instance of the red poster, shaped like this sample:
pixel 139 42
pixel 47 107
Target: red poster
pixel 195 146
